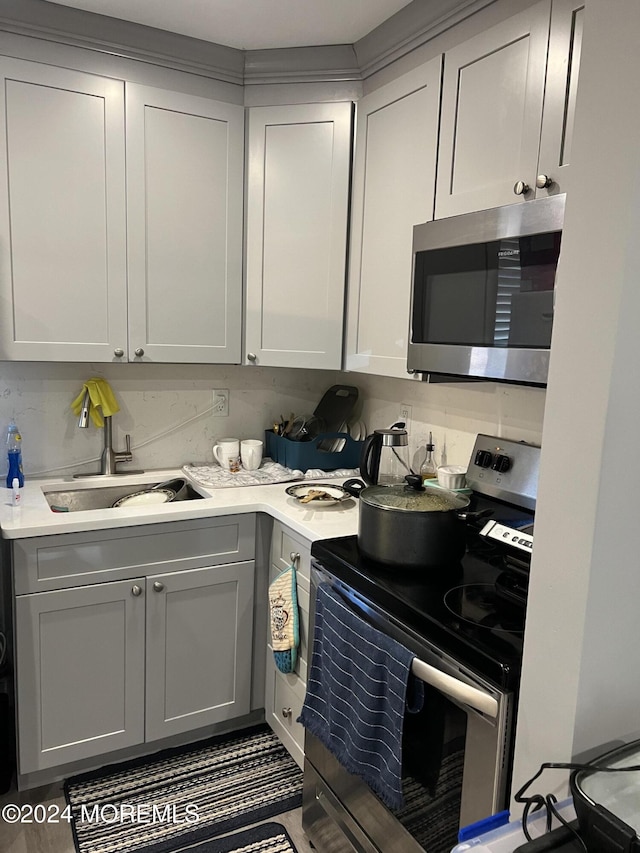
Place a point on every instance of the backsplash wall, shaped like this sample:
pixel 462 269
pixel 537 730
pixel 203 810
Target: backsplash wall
pixel 164 409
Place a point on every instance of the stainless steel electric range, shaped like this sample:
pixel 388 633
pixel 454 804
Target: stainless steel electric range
pixel 465 622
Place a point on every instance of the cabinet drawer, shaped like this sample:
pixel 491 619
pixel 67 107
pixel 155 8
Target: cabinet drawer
pixel 285 697
pixel 75 559
pixel 284 543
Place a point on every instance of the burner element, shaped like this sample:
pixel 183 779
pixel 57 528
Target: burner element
pixel 479 604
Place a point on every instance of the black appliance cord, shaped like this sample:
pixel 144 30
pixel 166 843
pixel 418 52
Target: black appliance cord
pixel 535 802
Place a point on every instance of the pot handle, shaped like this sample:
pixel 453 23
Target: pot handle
pixel 354 487
pixel 474 516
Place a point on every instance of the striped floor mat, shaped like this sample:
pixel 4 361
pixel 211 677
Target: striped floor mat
pixel 266 838
pixel 178 797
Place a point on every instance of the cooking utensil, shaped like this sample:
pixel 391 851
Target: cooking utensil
pixel 306 427
pixel 409 526
pixel 145 497
pixel 178 485
pixel 334 409
pixel 321 494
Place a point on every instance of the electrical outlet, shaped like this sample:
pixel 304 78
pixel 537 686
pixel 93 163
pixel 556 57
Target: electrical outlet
pixel 220 406
pixel 405 415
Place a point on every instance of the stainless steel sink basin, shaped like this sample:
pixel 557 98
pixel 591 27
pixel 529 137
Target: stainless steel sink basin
pixel 100 497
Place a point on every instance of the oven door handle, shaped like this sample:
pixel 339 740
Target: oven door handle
pixel 455 689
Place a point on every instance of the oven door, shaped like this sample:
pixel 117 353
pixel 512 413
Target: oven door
pixel 455 760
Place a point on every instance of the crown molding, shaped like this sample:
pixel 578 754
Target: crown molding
pixel 410 28
pixel 77 28
pixel 324 64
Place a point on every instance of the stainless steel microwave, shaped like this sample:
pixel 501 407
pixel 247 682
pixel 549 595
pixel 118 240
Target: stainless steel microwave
pixel 482 294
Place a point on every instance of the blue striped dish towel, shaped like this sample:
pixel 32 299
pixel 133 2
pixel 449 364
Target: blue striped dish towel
pixel 357 692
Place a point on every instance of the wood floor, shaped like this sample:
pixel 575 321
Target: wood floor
pixel 57 838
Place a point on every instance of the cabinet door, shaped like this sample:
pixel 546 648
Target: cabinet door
pixel 492 97
pixel 393 190
pixel 184 204
pixel 199 647
pixel 565 41
pixel 297 201
pixel 62 214
pixel 80 672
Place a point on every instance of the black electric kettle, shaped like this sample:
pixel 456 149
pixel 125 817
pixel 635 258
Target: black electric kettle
pixel 385 457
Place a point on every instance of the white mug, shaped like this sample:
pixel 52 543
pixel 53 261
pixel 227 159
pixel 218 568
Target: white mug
pixel 227 453
pixel 251 454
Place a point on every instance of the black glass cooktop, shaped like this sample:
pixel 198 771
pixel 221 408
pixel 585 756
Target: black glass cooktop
pixel 457 607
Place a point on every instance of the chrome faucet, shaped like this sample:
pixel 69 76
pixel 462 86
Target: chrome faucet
pixel 110 457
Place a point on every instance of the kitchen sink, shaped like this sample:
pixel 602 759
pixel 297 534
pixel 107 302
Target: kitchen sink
pixel 101 497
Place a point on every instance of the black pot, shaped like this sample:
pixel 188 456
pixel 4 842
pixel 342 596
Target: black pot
pixel 410 526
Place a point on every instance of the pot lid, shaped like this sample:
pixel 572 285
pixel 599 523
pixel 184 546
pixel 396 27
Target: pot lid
pixel 408 498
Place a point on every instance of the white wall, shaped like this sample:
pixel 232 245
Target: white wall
pixel 581 684
pixel 163 407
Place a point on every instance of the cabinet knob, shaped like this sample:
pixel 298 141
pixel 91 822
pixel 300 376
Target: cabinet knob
pixel 136 590
pixel 543 181
pixel 521 187
pixel 286 713
pixel 294 557
pixel 251 356
pixel 157 586
pixel 118 352
pixel 139 352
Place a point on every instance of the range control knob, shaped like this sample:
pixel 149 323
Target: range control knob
pixel 501 464
pixel 483 458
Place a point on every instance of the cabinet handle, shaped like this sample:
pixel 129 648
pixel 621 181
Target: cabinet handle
pixel 139 352
pixel 251 356
pixel 294 558
pixel 157 586
pixel 543 181
pixel 118 352
pixel 286 713
pixel 521 187
pixel 136 590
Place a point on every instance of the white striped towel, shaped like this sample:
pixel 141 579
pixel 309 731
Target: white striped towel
pixel 357 695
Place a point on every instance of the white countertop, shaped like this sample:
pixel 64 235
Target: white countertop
pixel 35 518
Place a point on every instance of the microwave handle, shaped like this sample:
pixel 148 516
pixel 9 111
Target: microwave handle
pixel 455 689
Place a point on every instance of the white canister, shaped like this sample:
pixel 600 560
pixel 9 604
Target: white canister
pixel 251 453
pixel 226 451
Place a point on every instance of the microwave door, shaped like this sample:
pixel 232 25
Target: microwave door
pixel 531 318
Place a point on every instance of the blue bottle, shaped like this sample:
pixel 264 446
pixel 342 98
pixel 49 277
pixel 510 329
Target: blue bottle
pixel 14 455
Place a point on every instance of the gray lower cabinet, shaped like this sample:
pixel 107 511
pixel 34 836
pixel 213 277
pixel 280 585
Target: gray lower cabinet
pixel 80 668
pixel 284 693
pixel 164 650
pixel 199 643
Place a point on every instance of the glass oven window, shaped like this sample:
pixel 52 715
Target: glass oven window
pixel 494 294
pixel 433 761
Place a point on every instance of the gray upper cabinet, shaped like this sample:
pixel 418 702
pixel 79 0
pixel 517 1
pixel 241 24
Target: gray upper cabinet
pixel 62 214
pixel 565 42
pixel 296 234
pixel 99 262
pixel 492 101
pixel 393 190
pixel 184 216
